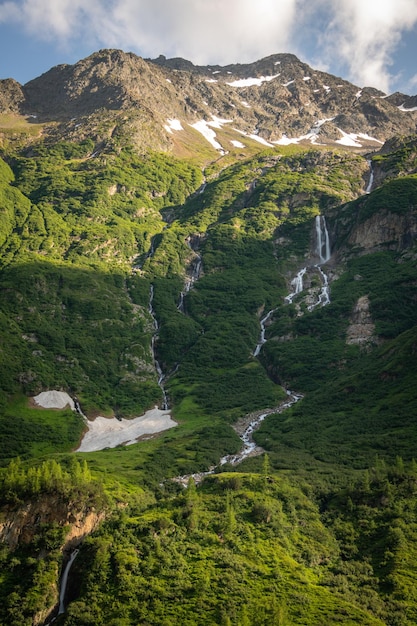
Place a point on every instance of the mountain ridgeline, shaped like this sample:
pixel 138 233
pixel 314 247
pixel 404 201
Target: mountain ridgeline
pixel 235 246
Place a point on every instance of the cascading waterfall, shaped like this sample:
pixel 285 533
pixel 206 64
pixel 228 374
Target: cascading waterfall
pixel 161 377
pixel 262 339
pixel 297 285
pixel 324 295
pixel 323 252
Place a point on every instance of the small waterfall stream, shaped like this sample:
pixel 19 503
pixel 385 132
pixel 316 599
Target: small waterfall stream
pixel 190 280
pixel 63 587
pixel 161 377
pixel 249 445
pixel 262 339
pixel 371 177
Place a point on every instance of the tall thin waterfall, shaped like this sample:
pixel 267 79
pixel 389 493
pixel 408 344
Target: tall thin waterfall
pixel 371 177
pixel 64 582
pixel 323 242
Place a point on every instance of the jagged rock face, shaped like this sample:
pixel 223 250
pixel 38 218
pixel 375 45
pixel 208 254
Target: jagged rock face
pixel 11 96
pixel 19 525
pixel 274 98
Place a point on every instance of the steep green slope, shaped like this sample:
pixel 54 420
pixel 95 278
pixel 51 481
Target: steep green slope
pixel 86 240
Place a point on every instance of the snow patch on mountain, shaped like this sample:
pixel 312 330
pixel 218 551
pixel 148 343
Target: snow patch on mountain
pixel 206 129
pixel 251 82
pixel 351 139
pixel 173 124
pixel 402 108
pixel 311 136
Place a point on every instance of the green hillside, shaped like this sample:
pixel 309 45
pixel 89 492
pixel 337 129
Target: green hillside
pixel 96 252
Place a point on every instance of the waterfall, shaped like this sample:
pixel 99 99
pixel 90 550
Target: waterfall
pixel 323 241
pixel 64 582
pixel 165 405
pixel 297 285
pixel 190 280
pixel 322 251
pixel 371 177
pixel 324 295
pixel 262 339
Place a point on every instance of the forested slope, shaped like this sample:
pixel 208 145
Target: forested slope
pixel 96 249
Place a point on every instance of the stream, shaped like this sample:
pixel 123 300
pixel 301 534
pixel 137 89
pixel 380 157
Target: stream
pixel 161 376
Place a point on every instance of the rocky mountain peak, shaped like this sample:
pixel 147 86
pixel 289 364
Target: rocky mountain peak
pixel 277 99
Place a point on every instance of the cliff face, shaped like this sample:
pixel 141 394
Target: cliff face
pixel 385 230
pixel 20 524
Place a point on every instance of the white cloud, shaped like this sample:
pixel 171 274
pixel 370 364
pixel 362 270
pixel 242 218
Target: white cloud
pixel 363 35
pixel 203 31
pixel 355 38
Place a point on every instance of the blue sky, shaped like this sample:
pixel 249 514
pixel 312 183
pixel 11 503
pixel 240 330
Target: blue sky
pixel 370 42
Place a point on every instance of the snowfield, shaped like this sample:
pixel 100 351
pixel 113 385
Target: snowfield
pixel 106 432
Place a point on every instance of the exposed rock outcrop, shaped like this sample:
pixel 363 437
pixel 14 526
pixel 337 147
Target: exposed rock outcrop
pixel 385 230
pixel 19 524
pixel 361 330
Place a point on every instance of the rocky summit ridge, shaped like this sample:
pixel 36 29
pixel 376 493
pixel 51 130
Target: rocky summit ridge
pixel 276 100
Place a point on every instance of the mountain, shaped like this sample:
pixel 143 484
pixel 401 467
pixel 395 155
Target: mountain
pixel 274 100
pixel 208 322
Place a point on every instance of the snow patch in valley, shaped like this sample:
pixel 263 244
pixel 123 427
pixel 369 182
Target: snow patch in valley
pixel 106 432
pixel 237 144
pixel 261 140
pixel 347 139
pixel 252 82
pixel 54 400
